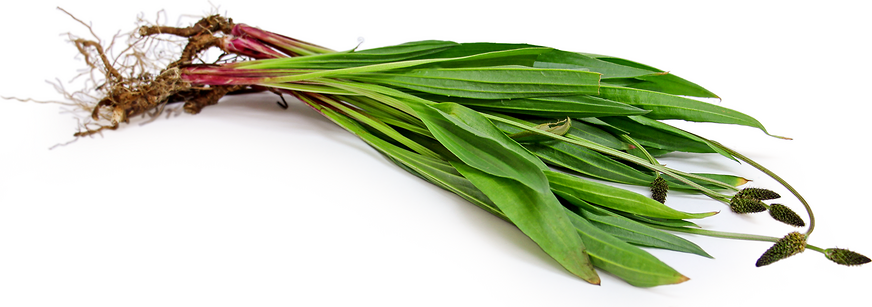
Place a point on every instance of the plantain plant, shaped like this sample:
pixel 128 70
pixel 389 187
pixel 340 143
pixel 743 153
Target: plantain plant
pixel 527 133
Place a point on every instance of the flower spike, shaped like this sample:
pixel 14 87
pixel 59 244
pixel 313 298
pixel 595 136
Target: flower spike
pixel 658 189
pixel 746 205
pixel 758 193
pixel 845 257
pixel 785 215
pixel 793 243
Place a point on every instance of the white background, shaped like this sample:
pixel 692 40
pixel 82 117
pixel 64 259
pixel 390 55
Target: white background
pixel 247 204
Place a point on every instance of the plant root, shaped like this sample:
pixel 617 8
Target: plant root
pixel 128 94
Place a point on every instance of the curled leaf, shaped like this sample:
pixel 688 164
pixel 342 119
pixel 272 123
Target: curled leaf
pixel 791 244
pixel 560 127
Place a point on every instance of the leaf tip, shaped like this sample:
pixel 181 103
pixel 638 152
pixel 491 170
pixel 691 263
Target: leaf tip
pixel 594 281
pixel 780 137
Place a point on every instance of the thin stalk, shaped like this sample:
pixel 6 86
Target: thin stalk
pixel 708 180
pixel 777 178
pixel 729 235
pixel 647 155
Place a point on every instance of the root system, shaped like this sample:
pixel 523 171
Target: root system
pixel 132 88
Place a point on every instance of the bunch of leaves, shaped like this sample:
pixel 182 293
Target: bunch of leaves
pixel 524 132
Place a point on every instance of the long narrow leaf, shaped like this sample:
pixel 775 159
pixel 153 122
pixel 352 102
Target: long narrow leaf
pixel 656 138
pixel 635 232
pixel 489 82
pixel 590 163
pixel 539 215
pixel 570 187
pixel 630 263
pixel 555 106
pixel 666 106
pixel 512 178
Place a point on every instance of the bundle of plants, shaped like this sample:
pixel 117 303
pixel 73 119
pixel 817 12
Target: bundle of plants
pixel 527 133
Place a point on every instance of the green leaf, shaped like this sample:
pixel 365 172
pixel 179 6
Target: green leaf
pixel 665 83
pixel 489 82
pixel 317 75
pixel 578 131
pixel 637 233
pixel 583 131
pixel 612 130
pixel 731 180
pixel 656 138
pixel 623 260
pixel 659 81
pixel 620 61
pixel 666 106
pixel 572 60
pixel 478 143
pixel 570 187
pixel 578 158
pixel 557 106
pixel 468 49
pixel 671 129
pixel 539 215
pixel 630 263
pixel 589 163
pixel 512 178
pixel 655 221
pixel 728 179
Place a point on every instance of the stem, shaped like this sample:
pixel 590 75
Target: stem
pixel 729 235
pixel 706 179
pixel 777 178
pixel 642 149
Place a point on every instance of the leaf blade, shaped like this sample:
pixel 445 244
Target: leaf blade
pixel 568 187
pixel 666 106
